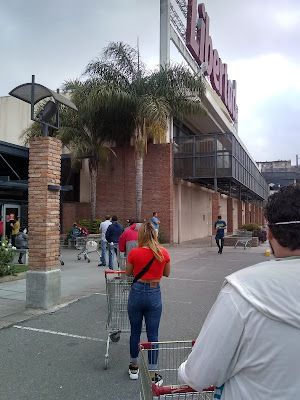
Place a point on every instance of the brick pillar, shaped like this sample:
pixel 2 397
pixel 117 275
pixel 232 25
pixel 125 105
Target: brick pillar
pixel 215 204
pixel 43 282
pixel 229 215
pixel 240 213
pixel 247 215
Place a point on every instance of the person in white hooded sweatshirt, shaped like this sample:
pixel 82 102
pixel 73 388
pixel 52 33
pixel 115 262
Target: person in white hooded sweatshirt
pixel 249 346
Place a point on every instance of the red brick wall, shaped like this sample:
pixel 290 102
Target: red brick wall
pixel 44 204
pixel 229 214
pixel 74 212
pixel 116 186
pixel 215 209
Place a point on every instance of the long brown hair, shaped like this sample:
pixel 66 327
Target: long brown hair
pixel 147 237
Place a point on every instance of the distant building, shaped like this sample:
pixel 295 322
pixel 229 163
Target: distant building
pixel 280 173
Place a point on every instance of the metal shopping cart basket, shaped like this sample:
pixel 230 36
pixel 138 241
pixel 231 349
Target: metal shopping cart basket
pixel 121 259
pixel 118 287
pixel 86 246
pixel 170 355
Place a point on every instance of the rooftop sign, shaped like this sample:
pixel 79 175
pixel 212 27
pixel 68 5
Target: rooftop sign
pixel 200 45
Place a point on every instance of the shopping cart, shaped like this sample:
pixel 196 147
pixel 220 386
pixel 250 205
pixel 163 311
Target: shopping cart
pixel 169 356
pixel 62 245
pixel 86 246
pixel 118 287
pixel 121 259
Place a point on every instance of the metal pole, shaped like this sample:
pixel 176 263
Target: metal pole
pixel 45 130
pixel 164 46
pixel 32 96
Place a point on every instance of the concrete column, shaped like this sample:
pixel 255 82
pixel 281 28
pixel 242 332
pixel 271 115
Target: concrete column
pixel 247 213
pixel 240 213
pixel 179 211
pixel 43 281
pixel 229 215
pixel 215 205
pixel 164 48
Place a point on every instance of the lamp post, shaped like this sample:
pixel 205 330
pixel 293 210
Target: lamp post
pixel 43 279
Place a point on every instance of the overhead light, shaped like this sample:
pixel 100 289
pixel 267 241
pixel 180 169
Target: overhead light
pixel 47 112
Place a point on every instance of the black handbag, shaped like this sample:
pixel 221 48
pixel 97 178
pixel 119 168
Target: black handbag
pixel 143 271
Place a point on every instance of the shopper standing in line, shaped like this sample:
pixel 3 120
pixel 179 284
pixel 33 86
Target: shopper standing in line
pixel 249 344
pixel 103 228
pixel 148 263
pixel 113 233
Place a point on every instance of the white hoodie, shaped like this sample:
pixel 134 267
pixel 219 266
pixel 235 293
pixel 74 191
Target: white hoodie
pixel 250 341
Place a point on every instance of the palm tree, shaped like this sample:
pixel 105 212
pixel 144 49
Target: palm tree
pixel 153 97
pixel 101 120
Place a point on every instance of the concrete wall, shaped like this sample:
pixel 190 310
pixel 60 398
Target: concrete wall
pixel 223 206
pixel 194 219
pixel 14 117
pixel 235 215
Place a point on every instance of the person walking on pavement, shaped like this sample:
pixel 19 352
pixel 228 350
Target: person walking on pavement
pixel 155 222
pixel 249 344
pixel 220 226
pixel 148 263
pixel 103 228
pixel 113 233
pixel 21 242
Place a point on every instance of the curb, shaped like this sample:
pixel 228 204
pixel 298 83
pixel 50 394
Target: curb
pixel 10 278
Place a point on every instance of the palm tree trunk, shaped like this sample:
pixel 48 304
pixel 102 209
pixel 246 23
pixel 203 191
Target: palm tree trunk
pixel 93 192
pixel 139 185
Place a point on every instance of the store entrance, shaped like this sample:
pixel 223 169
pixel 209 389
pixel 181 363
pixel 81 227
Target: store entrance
pixel 8 213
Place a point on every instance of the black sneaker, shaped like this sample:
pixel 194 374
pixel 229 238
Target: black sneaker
pixel 101 265
pixel 157 379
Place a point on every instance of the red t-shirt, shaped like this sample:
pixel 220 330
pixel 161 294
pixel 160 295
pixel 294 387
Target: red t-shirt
pixel 140 257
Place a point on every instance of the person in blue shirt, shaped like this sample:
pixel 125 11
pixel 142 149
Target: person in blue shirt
pixel 220 226
pixel 155 221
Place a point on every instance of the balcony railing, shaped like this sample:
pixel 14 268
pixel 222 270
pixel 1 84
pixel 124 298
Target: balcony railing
pixel 220 156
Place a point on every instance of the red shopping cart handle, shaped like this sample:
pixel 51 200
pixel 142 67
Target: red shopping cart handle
pixel 109 271
pixel 161 390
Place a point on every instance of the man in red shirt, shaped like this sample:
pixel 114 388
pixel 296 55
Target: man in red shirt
pixel 128 239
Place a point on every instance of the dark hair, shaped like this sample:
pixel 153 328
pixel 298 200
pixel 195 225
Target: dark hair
pixel 284 206
pixel 219 216
pixel 154 213
pixel 114 218
pixel 107 216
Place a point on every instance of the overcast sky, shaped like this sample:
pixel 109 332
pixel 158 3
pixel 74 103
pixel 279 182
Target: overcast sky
pixel 258 39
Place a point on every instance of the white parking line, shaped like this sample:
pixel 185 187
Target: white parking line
pixel 59 333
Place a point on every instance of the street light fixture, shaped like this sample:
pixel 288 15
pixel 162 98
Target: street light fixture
pixel 33 93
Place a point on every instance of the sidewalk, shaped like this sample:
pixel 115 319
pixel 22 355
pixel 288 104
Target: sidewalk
pixel 80 278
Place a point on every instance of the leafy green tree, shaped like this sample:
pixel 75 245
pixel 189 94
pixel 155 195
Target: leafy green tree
pixel 118 99
pixel 153 97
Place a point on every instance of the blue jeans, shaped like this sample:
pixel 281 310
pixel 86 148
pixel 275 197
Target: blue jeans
pixel 103 251
pixel 113 250
pixel 144 302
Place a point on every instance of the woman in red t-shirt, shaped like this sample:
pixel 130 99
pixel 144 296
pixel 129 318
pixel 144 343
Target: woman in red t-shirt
pixel 145 296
